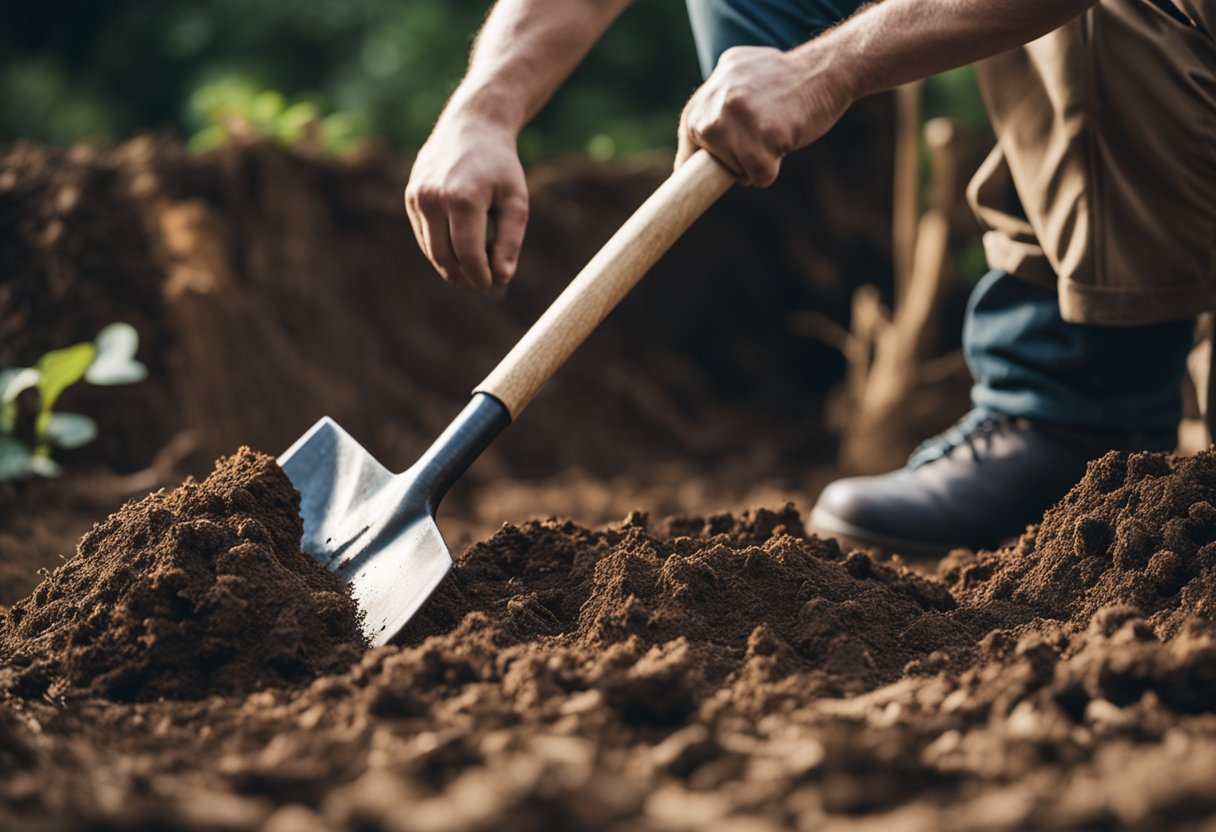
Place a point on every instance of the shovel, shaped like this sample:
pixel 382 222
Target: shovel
pixel 377 529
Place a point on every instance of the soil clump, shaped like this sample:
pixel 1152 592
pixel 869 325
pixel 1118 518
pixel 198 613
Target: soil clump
pixel 187 593
pixel 1114 592
pixel 1139 530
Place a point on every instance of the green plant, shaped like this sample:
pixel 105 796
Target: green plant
pixel 107 360
pixel 234 105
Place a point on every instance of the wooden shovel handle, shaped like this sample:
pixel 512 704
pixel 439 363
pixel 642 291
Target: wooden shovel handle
pixel 604 281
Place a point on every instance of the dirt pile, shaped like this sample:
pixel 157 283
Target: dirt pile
pixel 1139 530
pixel 1113 594
pixel 694 673
pixel 196 591
pixel 660 623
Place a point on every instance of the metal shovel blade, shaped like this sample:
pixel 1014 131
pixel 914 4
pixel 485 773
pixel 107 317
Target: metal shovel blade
pixel 377 529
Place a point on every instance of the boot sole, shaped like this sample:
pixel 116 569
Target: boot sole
pixel 852 536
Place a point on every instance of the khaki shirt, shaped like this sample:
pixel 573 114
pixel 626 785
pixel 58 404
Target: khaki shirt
pixel 1103 181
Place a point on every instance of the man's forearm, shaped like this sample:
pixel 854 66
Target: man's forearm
pixel 896 41
pixel 524 52
pixel 468 172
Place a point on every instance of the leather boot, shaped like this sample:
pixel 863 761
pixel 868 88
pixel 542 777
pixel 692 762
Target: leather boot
pixel 979 483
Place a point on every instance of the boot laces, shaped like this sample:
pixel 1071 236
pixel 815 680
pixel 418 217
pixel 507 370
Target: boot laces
pixel 974 430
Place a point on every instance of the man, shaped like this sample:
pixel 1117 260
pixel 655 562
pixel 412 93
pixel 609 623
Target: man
pixel 1099 203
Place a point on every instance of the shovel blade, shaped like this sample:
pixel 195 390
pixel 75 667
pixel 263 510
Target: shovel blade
pixel 373 528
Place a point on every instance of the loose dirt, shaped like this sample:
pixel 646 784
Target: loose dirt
pixel 708 598
pixel 1138 530
pixel 724 672
pixel 187 593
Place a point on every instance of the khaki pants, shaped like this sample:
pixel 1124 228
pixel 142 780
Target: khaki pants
pixel 1103 181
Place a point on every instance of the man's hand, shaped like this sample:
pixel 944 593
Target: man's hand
pixel 467 173
pixel 759 105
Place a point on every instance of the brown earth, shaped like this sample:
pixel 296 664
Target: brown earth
pixel 705 673
pixel 713 670
pixel 198 591
pixel 1138 530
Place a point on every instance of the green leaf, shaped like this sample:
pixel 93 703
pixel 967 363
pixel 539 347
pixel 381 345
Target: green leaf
pixel 14 460
pixel 209 138
pixel 342 133
pixel 13 382
pixel 44 466
pixel 291 124
pixel 70 430
pixel 16 380
pixel 115 362
pixel 59 370
pixel 266 107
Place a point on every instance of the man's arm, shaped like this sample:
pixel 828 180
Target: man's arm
pixel 469 168
pixel 760 104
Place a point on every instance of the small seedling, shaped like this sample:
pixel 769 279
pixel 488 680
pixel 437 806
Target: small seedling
pixel 107 360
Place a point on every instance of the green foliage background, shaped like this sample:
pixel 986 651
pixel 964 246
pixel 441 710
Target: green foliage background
pixel 73 69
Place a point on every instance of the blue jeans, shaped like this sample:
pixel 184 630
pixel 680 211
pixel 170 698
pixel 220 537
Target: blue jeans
pixel 717 25
pixel 1027 361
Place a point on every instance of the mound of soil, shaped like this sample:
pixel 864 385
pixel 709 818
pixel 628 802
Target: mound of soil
pixel 186 593
pixel 696 673
pixel 704 606
pixel 1138 530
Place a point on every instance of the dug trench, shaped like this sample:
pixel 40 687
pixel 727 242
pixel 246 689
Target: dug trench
pixel 188 668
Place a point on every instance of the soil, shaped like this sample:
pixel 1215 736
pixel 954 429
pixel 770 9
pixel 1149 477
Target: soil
pixel 715 669
pixel 198 591
pixel 1138 530
pixel 721 672
pixel 718 595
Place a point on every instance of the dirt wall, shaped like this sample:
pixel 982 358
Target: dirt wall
pixel 270 288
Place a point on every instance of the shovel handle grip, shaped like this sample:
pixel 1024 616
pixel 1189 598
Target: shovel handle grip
pixel 604 281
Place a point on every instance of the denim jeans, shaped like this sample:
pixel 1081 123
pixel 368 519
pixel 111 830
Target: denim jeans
pixel 1027 361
